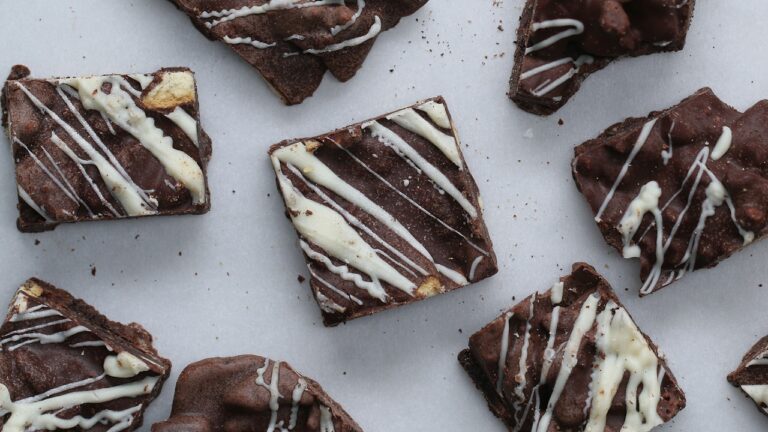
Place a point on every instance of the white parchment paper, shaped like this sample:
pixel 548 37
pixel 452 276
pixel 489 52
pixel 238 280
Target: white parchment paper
pixel 226 283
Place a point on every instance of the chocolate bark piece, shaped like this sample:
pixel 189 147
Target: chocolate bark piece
pixel 292 43
pixel 572 358
pixel 251 393
pixel 682 189
pixel 561 42
pixel 386 211
pixel 752 375
pixel 64 366
pixel 105 147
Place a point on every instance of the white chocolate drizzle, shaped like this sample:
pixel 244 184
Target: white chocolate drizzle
pixel 622 349
pixel 274 392
pixel 503 352
pixel 758 393
pixel 723 144
pixel 583 324
pixel 645 133
pixel 123 111
pixel 557 293
pixel 298 391
pixel 328 230
pixel 410 120
pixel 34 415
pixel 572 28
pixel 131 197
pixel 272 5
pixel 648 201
pixel 372 33
pixel 214 18
pixel 437 113
pixel 576 27
pixel 124 365
pixel 391 139
pixel 31 203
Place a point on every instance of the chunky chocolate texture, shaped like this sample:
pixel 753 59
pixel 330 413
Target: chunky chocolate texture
pixel 251 393
pixel 571 358
pixel 64 366
pixel 105 147
pixel 386 211
pixel 682 189
pixel 292 43
pixel 752 375
pixel 561 42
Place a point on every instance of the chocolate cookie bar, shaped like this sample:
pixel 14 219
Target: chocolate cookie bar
pixel 292 43
pixel 561 42
pixel 752 375
pixel 251 393
pixel 386 211
pixel 681 189
pixel 64 366
pixel 105 147
pixel 572 359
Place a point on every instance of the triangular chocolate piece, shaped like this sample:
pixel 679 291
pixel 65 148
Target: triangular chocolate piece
pixel 64 366
pixel 752 375
pixel 573 359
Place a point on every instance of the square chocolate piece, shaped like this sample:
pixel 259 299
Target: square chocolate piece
pixel 752 375
pixel 682 189
pixel 252 393
pixel 386 211
pixel 105 147
pixel 292 43
pixel 572 359
pixel 561 42
pixel 64 366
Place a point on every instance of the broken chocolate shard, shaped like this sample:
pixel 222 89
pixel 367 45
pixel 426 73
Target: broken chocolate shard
pixel 64 366
pixel 561 42
pixel 682 189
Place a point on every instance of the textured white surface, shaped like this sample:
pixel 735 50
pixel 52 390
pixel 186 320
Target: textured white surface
pixel 226 283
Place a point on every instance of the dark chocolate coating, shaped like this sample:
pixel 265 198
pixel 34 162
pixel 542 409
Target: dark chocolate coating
pixel 225 394
pixel 30 369
pixel 611 29
pixel 293 74
pixel 64 193
pixel 698 123
pixel 481 361
pixel 752 374
pixel 433 225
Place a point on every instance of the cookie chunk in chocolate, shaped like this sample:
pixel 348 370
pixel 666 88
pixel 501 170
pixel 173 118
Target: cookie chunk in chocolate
pixel 386 211
pixel 292 43
pixel 682 189
pixel 251 393
pixel 573 359
pixel 752 375
pixel 105 147
pixel 64 366
pixel 561 42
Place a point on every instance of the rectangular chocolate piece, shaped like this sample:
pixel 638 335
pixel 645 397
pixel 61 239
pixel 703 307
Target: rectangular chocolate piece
pixel 752 375
pixel 386 211
pixel 292 43
pixel 561 42
pixel 572 359
pixel 64 366
pixel 105 147
pixel 682 189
